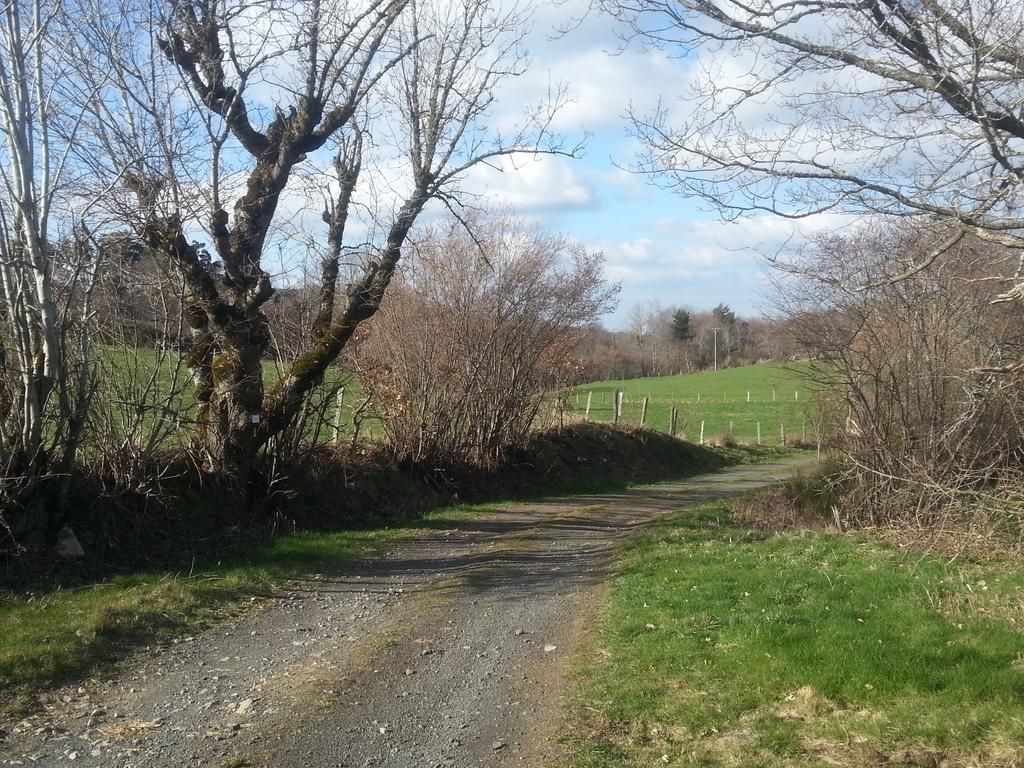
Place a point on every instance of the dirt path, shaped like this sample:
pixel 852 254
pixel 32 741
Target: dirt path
pixel 449 652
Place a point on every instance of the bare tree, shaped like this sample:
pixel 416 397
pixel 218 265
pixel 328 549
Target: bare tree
pixel 920 433
pixel 258 91
pixel 885 106
pixel 440 92
pixel 639 325
pixel 325 59
pixel 48 260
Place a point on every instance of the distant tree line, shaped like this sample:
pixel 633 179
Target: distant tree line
pixel 660 341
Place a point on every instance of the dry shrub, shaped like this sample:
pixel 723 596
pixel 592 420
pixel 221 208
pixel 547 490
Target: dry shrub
pixel 805 502
pixel 725 439
pixel 142 410
pixel 979 524
pixel 930 409
pixel 773 510
pixel 47 377
pixel 473 334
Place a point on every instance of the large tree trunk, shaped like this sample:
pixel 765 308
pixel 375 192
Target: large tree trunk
pixel 234 413
pixel 229 381
pixel 236 420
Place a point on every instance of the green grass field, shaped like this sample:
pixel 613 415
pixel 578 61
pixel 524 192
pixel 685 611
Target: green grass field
pixel 771 395
pixel 130 376
pixel 732 401
pixel 722 646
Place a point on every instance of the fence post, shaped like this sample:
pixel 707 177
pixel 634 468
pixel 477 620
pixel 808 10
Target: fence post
pixel 758 433
pixel 673 421
pixel 748 395
pixel 643 413
pixel 586 416
pixel 729 436
pixel 616 406
pixel 782 433
pixel 702 432
pixel 796 395
pixel 336 431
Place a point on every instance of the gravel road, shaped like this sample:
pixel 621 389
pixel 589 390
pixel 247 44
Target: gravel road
pixel 451 651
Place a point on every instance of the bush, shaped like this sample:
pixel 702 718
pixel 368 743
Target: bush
pixel 931 408
pixel 473 335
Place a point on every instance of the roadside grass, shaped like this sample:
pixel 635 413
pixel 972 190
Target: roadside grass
pixel 724 646
pixel 716 397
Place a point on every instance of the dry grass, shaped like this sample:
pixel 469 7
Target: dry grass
pixel 774 510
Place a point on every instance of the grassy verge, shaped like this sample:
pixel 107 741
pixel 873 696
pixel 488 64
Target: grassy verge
pixel 724 646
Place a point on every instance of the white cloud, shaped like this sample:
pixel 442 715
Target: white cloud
pixel 530 184
pixel 700 263
pixel 603 87
pixel 575 46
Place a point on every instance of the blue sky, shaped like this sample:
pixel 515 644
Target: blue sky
pixel 659 245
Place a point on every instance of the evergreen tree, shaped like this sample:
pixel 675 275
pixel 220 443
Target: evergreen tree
pixel 724 316
pixel 682 325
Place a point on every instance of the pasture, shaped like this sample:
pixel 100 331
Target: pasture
pixel 743 404
pixel 144 390
pixel 730 402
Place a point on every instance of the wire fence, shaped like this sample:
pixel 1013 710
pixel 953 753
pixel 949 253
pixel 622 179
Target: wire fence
pixel 769 417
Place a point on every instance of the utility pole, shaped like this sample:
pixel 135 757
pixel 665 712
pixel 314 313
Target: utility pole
pixel 716 347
